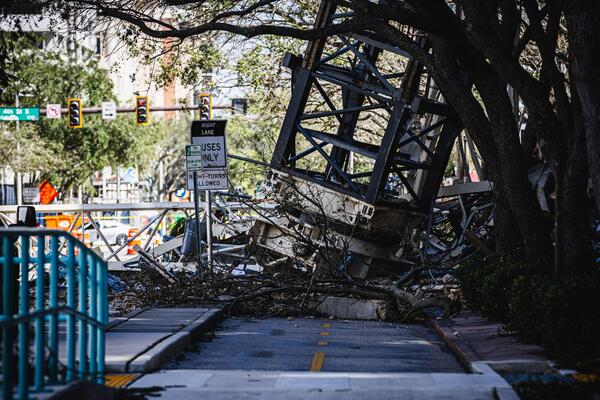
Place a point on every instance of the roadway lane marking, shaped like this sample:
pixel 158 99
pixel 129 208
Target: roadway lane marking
pixel 120 380
pixel 322 343
pixel 317 362
pixel 324 333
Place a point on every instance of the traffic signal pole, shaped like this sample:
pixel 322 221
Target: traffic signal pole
pixel 98 110
pixel 18 176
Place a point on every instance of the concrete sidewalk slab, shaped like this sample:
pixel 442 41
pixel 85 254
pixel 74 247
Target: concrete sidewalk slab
pixel 211 384
pixel 144 340
pixel 149 339
pixel 476 341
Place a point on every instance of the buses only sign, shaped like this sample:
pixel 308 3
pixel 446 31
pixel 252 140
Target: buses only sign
pixel 210 151
pixel 210 135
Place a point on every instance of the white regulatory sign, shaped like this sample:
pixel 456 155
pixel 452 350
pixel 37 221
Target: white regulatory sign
pixel 193 157
pixel 31 195
pixel 210 134
pixel 53 111
pixel 109 110
pixel 208 179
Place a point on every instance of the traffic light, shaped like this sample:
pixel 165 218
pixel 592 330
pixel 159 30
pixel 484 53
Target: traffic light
pixel 205 106
pixel 75 113
pixel 142 110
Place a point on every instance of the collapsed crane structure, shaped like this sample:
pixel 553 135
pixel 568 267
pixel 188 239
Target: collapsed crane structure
pixel 371 211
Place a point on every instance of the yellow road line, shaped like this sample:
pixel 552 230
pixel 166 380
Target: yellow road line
pixel 119 380
pixel 326 325
pixel 586 377
pixel 324 333
pixel 317 361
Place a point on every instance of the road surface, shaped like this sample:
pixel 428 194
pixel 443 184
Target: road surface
pixel 280 358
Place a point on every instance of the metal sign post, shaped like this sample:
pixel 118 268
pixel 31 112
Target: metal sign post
pixel 193 164
pixel 197 211
pixel 209 135
pixel 208 212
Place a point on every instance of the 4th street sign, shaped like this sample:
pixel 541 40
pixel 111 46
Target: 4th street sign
pixel 19 114
pixel 210 134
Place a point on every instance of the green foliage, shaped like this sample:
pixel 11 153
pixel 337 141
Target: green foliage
pixel 559 312
pixel 168 141
pixel 449 171
pixel 66 156
pixel 188 65
pixel 557 390
pixel 254 139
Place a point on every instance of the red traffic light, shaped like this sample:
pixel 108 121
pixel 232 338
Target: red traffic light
pixel 142 111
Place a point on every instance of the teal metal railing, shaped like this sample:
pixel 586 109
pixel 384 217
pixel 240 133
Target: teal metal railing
pixel 54 310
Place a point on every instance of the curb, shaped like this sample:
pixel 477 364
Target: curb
pixel 125 318
pixel 467 357
pixel 459 348
pixel 205 323
pixel 169 347
pixel 473 364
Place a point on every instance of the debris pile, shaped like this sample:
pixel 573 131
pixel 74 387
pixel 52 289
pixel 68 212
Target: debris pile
pixel 309 268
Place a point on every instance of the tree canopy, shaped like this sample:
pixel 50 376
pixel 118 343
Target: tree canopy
pixel 501 64
pixel 49 149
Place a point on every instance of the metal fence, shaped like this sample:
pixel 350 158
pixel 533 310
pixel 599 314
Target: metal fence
pixel 54 310
pixel 84 214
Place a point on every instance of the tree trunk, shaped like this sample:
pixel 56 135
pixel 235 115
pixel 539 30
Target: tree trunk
pixel 573 250
pixel 573 246
pixel 516 189
pixel 450 78
pixel 583 22
pixel 506 230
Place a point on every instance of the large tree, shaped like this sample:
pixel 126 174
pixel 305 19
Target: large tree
pixel 49 149
pixel 489 57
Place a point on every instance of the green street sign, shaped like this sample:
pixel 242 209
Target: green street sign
pixel 19 114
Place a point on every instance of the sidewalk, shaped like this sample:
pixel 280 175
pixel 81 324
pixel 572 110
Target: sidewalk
pixel 475 339
pixel 146 339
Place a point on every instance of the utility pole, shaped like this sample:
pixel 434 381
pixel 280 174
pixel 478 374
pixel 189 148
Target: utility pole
pixel 18 176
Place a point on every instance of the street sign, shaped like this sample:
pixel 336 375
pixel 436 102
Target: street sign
pixel 193 157
pixel 53 111
pixel 31 195
pixel 19 114
pixel 210 134
pixel 239 106
pixel 109 110
pixel 208 179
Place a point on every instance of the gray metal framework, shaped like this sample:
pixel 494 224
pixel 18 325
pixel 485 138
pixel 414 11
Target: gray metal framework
pixel 413 153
